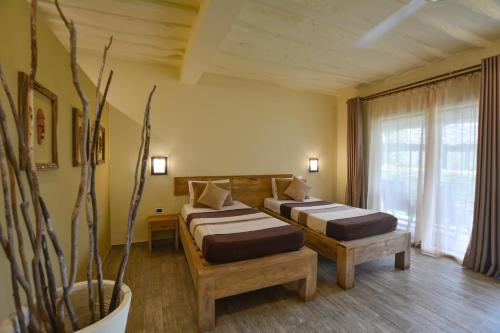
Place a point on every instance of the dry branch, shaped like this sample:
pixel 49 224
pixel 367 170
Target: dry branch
pixel 75 216
pixel 14 167
pixel 38 279
pixel 91 194
pixel 140 171
pixel 46 310
pixel 12 155
pixel 9 217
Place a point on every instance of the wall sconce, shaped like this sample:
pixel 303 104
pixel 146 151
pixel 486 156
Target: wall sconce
pixel 313 164
pixel 159 165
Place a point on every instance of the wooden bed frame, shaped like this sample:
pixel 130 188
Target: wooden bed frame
pixel 214 281
pixel 351 253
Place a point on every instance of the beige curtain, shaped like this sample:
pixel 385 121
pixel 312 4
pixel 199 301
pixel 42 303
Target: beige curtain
pixel 422 161
pixel 483 253
pixel 356 189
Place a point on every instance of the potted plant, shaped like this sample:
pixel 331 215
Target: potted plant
pixel 94 305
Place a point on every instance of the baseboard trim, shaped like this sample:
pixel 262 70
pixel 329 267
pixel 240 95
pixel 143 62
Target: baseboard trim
pixel 119 246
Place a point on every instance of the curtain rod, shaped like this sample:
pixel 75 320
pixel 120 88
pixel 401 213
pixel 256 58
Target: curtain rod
pixel 425 82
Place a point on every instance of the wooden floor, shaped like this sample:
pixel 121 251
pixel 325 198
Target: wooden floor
pixel 435 295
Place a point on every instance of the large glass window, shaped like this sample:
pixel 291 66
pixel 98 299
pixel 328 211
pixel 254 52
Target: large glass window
pixel 422 163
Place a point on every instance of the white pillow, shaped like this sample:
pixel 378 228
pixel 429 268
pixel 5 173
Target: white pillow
pixel 190 186
pixel 273 185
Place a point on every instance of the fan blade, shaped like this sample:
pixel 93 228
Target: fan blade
pixel 390 22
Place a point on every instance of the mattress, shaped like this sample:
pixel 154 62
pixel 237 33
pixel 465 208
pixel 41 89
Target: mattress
pixel 275 204
pixel 334 220
pixel 239 232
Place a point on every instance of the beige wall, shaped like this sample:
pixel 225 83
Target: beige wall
pixel 221 126
pixel 455 62
pixel 59 187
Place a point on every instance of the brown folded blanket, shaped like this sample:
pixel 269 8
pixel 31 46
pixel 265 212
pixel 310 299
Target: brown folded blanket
pixel 344 229
pixel 230 247
pixel 252 244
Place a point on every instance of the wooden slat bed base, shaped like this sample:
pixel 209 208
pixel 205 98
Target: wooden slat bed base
pixel 217 281
pixel 351 253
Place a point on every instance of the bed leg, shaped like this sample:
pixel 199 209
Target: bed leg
pixel 345 267
pixel 307 286
pixel 402 259
pixel 206 305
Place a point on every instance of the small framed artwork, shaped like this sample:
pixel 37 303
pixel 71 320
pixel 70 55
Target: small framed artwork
pixel 44 123
pixel 77 125
pixel 101 146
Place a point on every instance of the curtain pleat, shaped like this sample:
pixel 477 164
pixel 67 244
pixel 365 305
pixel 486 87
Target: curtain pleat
pixel 483 252
pixel 355 192
pixel 422 161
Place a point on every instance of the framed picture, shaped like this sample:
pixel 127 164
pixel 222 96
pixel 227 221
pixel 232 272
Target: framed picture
pixel 77 125
pixel 101 146
pixel 44 123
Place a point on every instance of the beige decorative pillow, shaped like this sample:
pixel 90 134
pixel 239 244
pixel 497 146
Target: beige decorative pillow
pixel 227 187
pixel 281 185
pixel 191 182
pixel 198 188
pixel 297 190
pixel 274 188
pixel 213 196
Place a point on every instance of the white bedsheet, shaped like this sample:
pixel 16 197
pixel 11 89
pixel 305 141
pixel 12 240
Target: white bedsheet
pixel 188 208
pixel 201 227
pixel 317 221
pixel 274 204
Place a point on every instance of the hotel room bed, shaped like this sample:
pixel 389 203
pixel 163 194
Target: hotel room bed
pixel 347 235
pixel 239 249
pixel 239 232
pixel 342 222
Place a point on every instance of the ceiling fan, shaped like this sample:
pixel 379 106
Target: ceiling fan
pixel 390 22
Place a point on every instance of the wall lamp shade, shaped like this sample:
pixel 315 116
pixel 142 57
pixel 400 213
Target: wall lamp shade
pixel 313 164
pixel 159 165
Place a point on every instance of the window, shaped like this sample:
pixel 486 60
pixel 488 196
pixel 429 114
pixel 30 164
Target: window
pixel 422 163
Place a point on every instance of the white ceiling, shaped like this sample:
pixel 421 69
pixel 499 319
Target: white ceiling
pixel 151 31
pixel 301 44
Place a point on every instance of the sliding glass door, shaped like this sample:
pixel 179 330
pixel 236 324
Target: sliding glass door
pixel 402 154
pixel 422 161
pixel 457 144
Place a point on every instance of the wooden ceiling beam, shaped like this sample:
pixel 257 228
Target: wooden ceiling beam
pixel 286 81
pixel 139 40
pixel 451 30
pixel 215 19
pixel 113 27
pixel 489 8
pixel 141 58
pixel 127 10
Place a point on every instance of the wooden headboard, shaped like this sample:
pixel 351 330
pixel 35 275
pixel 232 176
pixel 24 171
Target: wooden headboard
pixel 251 190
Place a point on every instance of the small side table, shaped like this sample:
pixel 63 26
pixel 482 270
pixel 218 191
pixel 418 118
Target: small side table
pixel 162 223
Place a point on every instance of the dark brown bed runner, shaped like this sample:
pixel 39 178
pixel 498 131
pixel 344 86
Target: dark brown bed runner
pixel 224 248
pixel 286 208
pixel 221 214
pixel 348 228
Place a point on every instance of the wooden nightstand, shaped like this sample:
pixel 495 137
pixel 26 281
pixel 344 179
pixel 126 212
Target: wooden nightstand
pixel 162 223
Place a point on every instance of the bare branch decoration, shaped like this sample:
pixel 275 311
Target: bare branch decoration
pixel 49 309
pixel 140 170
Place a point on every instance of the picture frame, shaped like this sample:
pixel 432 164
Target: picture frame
pixel 77 133
pixel 44 122
pixel 101 146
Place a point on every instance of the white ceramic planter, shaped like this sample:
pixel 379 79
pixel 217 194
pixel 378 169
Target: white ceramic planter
pixel 115 322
